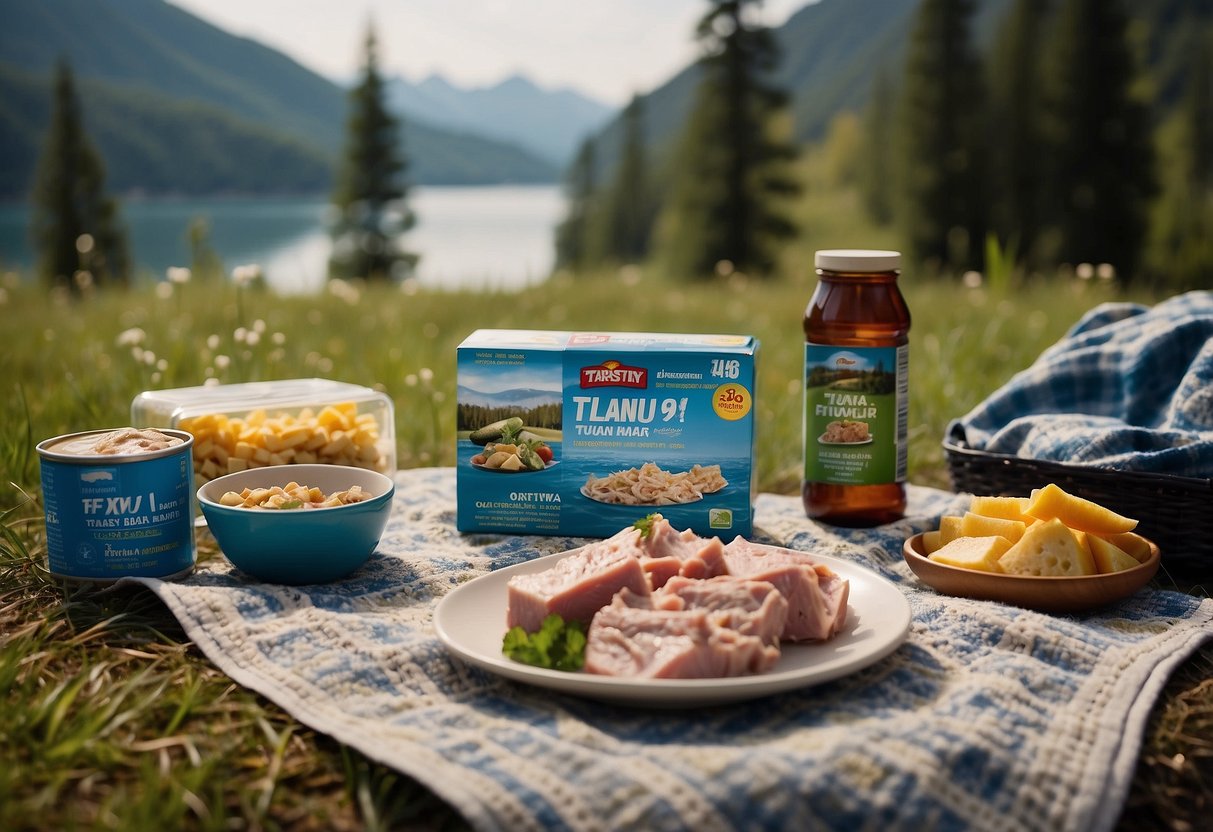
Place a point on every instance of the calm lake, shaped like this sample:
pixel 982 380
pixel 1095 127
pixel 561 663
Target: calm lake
pixel 493 236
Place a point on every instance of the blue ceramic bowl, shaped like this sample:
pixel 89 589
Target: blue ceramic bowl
pixel 299 546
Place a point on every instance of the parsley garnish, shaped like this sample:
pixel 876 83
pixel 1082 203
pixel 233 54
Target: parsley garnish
pixel 645 524
pixel 557 644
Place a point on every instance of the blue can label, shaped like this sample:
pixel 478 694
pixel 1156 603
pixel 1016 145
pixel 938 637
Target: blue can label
pixel 127 516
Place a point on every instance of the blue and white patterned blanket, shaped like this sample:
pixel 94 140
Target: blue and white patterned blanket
pixel 1129 387
pixel 989 717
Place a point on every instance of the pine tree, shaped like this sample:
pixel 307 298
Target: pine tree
pixel 939 206
pixel 572 235
pixel 1182 253
pixel 875 175
pixel 629 209
pixel 371 192
pixel 731 169
pixel 1101 173
pixel 76 228
pixel 1015 130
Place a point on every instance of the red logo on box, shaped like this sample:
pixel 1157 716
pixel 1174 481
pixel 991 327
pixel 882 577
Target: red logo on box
pixel 614 374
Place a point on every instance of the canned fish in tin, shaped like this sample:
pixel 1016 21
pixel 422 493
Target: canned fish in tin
pixel 118 503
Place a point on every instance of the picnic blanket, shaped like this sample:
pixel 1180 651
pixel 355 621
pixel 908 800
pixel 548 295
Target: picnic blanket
pixel 988 717
pixel 1129 387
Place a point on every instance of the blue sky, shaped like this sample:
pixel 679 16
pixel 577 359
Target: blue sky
pixel 608 49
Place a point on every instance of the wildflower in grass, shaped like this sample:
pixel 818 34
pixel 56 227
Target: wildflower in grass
pixel 211 382
pixel 344 290
pixel 278 338
pixel 212 342
pixel 1105 271
pixel 132 337
pixel 240 335
pixel 410 380
pixel 246 275
pixel 426 375
pixel 222 362
pixel 164 291
pixel 1085 271
pixel 972 279
pixel 177 274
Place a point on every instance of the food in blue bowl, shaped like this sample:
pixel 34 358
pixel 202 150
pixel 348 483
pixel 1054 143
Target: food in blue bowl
pixel 298 524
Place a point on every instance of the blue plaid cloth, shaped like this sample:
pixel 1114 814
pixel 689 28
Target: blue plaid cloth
pixel 989 717
pixel 1130 387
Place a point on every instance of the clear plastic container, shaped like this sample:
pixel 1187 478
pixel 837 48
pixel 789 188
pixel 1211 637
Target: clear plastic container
pixel 258 424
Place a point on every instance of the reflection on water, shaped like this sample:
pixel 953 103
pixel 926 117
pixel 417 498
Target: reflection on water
pixel 495 236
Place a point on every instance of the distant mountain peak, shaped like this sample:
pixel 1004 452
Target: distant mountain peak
pixel 550 124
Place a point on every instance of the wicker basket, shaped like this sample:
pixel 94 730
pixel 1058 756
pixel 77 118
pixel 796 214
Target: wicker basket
pixel 1174 512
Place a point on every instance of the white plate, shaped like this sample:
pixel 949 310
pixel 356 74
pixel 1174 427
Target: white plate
pixel 821 440
pixel 471 623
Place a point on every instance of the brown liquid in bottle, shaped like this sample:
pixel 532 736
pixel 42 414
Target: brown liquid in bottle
pixel 855 307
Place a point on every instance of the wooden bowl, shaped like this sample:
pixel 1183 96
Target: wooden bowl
pixel 1029 591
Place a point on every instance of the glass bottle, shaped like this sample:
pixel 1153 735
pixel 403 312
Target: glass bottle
pixel 856 381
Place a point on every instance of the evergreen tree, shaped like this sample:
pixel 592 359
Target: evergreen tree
pixel 629 210
pixel 875 175
pixel 940 206
pixel 1015 133
pixel 572 235
pixel 370 195
pixel 1100 178
pixel 75 225
pixel 1183 228
pixel 731 168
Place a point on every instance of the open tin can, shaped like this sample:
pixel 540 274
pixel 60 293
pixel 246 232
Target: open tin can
pixel 111 515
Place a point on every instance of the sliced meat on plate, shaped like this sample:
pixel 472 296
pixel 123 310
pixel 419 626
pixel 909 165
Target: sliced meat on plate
pixel 816 596
pixel 579 585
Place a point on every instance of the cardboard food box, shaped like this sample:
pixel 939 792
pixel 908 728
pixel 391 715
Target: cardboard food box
pixel 583 433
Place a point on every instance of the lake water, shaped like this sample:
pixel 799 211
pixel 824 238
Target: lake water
pixel 492 236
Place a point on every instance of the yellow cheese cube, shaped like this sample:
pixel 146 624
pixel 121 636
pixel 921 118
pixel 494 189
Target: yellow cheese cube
pixel 949 528
pixel 1048 548
pixel 1131 543
pixel 931 542
pixel 981 553
pixel 1108 556
pixel 1009 508
pixel 978 525
pixel 1052 502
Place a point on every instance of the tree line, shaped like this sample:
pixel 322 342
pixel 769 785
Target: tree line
pixel 1043 150
pixel 80 240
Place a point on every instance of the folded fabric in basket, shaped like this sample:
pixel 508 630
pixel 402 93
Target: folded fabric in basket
pixel 1129 387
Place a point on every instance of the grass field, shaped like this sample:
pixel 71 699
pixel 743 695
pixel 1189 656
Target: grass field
pixel 111 719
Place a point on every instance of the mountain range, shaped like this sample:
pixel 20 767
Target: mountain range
pixel 518 397
pixel 549 123
pixel 178 105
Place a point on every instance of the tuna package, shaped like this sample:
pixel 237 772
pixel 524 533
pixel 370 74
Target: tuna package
pixel 583 433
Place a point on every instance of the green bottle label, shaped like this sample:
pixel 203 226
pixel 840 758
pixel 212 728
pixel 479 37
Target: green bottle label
pixel 856 407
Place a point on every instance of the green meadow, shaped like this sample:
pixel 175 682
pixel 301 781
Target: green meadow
pixel 111 719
